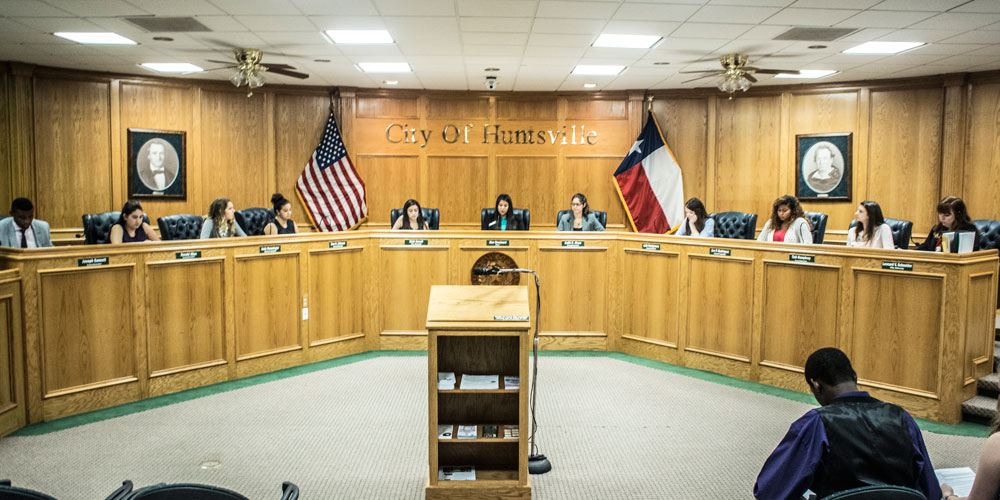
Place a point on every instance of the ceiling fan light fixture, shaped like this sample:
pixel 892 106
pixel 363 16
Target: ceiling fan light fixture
pixel 733 82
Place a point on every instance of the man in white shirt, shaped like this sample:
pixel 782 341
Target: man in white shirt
pixel 21 229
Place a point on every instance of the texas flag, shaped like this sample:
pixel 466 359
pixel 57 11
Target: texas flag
pixel 649 183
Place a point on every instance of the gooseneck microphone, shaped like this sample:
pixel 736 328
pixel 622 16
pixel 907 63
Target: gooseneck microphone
pixel 482 271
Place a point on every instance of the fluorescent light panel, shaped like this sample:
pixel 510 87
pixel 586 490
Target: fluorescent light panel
pixel 883 47
pixel 359 36
pixel 379 67
pixel 589 85
pixel 102 38
pixel 627 41
pixel 807 73
pixel 591 69
pixel 172 67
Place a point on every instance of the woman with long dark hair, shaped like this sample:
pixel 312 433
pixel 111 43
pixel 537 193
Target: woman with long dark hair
pixel 412 217
pixel 130 227
pixel 788 222
pixel 871 231
pixel 221 221
pixel 282 222
pixel 579 218
pixel 696 220
pixel 952 216
pixel 503 217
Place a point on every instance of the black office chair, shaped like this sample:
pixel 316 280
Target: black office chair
pixel 522 215
pixel 989 238
pixel 902 230
pixel 602 217
pixel 818 221
pixel 97 227
pixel 253 219
pixel 878 492
pixel 8 492
pixel 189 491
pixel 431 215
pixel 735 225
pixel 180 227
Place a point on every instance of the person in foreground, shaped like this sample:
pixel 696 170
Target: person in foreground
pixel 412 217
pixel 580 218
pixel 696 220
pixel 952 216
pixel 22 229
pixel 871 231
pixel 130 227
pixel 852 440
pixel 221 221
pixel 282 222
pixel 987 483
pixel 788 222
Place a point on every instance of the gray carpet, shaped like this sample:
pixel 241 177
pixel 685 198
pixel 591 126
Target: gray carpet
pixel 613 430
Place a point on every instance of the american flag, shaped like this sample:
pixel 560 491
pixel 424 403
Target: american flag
pixel 330 187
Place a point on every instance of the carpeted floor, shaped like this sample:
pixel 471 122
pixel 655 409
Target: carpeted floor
pixel 613 429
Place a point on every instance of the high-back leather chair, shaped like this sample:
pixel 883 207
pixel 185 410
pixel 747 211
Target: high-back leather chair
pixel 818 221
pixel 190 491
pixel 97 227
pixel 180 227
pixel 735 225
pixel 522 215
pixel 431 215
pixel 253 219
pixel 878 492
pixel 902 230
pixel 989 238
pixel 14 493
pixel 602 217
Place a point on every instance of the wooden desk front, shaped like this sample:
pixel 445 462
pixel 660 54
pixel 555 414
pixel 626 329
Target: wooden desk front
pixel 152 319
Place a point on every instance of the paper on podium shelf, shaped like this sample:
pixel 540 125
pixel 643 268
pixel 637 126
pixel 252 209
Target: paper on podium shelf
pixel 480 382
pixel 446 381
pixel 461 473
pixel 966 240
pixel 959 478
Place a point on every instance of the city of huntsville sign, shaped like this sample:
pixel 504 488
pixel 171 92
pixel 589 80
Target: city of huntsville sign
pixel 568 135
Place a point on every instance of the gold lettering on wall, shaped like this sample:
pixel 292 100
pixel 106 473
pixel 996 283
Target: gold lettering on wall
pixel 568 135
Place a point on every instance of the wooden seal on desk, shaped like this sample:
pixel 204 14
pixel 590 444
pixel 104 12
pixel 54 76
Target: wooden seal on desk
pixel 495 259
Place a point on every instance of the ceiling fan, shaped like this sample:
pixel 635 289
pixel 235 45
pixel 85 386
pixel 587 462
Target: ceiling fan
pixel 249 68
pixel 735 73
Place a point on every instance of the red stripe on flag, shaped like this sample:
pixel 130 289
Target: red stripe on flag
pixel 641 200
pixel 323 189
pixel 312 202
pixel 318 196
pixel 336 192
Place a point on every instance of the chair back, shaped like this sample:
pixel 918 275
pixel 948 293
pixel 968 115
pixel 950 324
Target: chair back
pixel 8 492
pixel 901 231
pixel 431 215
pixel 602 217
pixel 289 491
pixel 253 219
pixel 97 227
pixel 522 215
pixel 735 225
pixel 818 221
pixel 989 238
pixel 878 492
pixel 184 491
pixel 180 227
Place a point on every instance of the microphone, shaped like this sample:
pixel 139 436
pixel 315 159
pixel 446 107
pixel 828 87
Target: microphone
pixel 480 271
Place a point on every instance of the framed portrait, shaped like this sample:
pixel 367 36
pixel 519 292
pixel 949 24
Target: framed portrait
pixel 823 166
pixel 157 164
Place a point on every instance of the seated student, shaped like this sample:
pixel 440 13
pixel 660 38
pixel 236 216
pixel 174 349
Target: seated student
pixel 580 217
pixel 852 440
pixel 412 217
pixel 788 222
pixel 282 222
pixel 987 483
pixel 130 227
pixel 22 229
pixel 696 220
pixel 503 219
pixel 221 222
pixel 952 216
pixel 871 231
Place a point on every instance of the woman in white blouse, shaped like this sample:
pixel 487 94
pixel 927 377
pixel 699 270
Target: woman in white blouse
pixel 788 222
pixel 871 231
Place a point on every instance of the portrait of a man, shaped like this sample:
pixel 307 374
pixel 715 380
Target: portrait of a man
pixel 154 170
pixel 156 163
pixel 823 170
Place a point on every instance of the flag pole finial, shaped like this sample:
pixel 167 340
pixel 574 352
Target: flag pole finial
pixel 649 103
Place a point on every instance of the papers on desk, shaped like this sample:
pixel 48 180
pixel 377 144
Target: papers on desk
pixel 959 478
pixel 511 382
pixel 958 242
pixel 445 431
pixel 480 382
pixel 460 473
pixel 446 381
pixel 467 432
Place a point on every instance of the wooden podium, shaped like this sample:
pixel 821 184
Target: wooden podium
pixel 478 330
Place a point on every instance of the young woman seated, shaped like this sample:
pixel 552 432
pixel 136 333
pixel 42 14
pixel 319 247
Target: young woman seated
pixel 871 231
pixel 221 221
pixel 130 227
pixel 282 222
pixel 503 219
pixel 580 217
pixel 412 217
pixel 788 222
pixel 696 220
pixel 952 216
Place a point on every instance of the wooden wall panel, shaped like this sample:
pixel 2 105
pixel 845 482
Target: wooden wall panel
pixel 6 178
pixel 596 109
pixel 981 316
pixel 906 335
pixel 904 164
pixel 747 151
pixel 234 150
pixel 456 109
pixel 336 286
pixel 983 153
pixel 407 277
pixel 72 150
pixel 184 314
pixel 533 109
pixel 456 186
pixel 593 177
pixel 800 312
pixel 570 304
pixel 389 182
pixel 268 298
pixel 299 121
pixel 8 382
pixel 87 330
pixel 650 290
pixel 13 404
pixel 684 123
pixel 718 319
pixel 388 107
pixel 529 182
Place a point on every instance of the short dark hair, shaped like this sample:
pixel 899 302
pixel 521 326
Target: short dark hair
pixel 830 366
pixel 22 204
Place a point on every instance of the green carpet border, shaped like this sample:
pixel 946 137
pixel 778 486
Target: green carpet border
pixel 967 429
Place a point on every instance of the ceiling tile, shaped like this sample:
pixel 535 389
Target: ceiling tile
pixel 926 5
pixel 324 23
pixel 383 53
pixel 992 50
pixel 276 23
pixel 221 23
pixel 866 35
pixel 568 26
pixel 492 50
pixel 810 17
pixel 915 35
pixel 502 8
pixel 54 24
pixel 884 19
pixel 976 36
pixel 748 15
pixel 519 39
pixel 654 12
pixel 621 56
pixel 102 8
pixel 967 60
pixel 401 25
pixel 951 21
pixel 229 39
pixel 256 7
pixel 983 6
pixel 496 24
pixel 12 26
pixel 411 8
pixel 313 51
pixel 294 38
pixel 706 30
pixel 764 32
pixel 334 7
pixel 753 3
pixel 30 8
pixel 576 9
pixel 691 45
pixel 948 48
pixel 840 4
pixel 555 52
pixel 545 39
pixel 657 28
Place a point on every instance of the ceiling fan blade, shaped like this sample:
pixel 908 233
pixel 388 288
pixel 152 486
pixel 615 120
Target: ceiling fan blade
pixel 750 77
pixel 231 66
pixel 702 71
pixel 287 72
pixel 219 62
pixel 698 78
pixel 277 65
pixel 776 71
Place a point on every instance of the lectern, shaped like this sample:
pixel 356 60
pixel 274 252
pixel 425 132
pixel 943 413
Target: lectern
pixel 478 330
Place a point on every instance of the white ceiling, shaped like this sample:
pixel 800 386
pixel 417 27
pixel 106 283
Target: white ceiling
pixel 534 43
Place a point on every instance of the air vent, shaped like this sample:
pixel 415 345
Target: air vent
pixel 815 34
pixel 168 24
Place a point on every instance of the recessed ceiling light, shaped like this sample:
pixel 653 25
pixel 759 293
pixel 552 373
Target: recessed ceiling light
pixel 807 73
pixel 390 82
pixel 105 38
pixel 379 67
pixel 359 36
pixel 593 69
pixel 883 47
pixel 627 41
pixel 172 67
pixel 589 85
pixel 163 39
